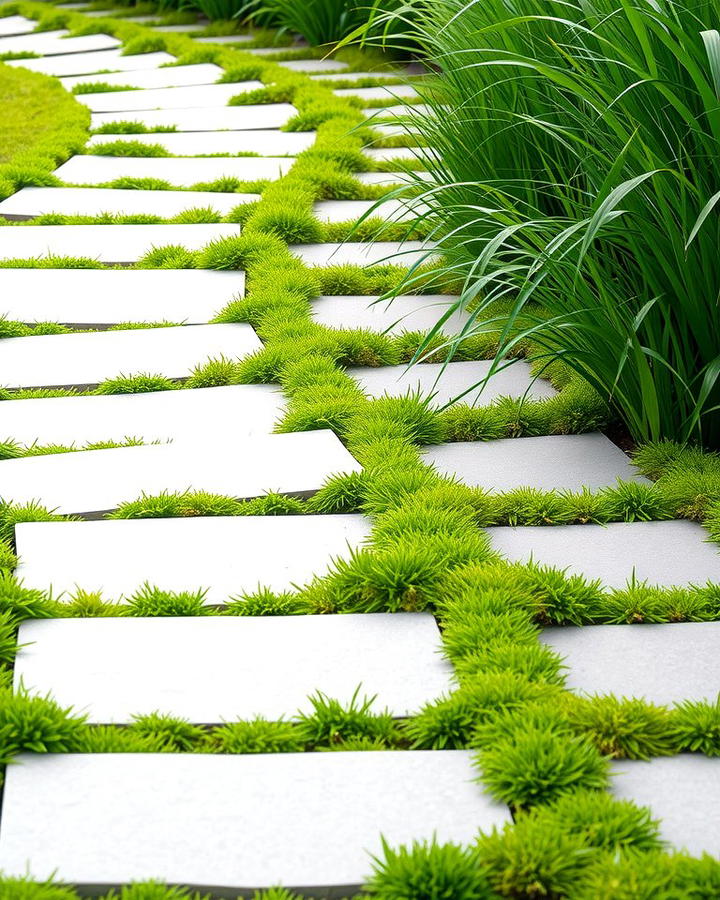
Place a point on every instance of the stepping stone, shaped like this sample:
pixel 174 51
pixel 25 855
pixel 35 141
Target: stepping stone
pixel 350 210
pixel 407 253
pixel 180 29
pixel 180 172
pixel 266 143
pixel 55 43
pixel 225 39
pixel 378 93
pixel 617 552
pixel 87 358
pixel 385 153
pixel 37 201
pixel 242 667
pixel 206 96
pixel 113 244
pixel 231 118
pixel 96 298
pixel 261 51
pixel 356 76
pixel 557 462
pixel 444 384
pixel 171 76
pixel 11 26
pixel 216 413
pixel 230 822
pixel 405 313
pixel 392 178
pixel 225 555
pixel 661 664
pixel 93 482
pixel 88 63
pixel 313 66
pixel 682 791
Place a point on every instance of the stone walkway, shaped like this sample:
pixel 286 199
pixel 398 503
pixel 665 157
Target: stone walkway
pixel 242 820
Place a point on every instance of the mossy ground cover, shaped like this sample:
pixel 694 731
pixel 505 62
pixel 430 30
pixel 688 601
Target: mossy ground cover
pixel 540 748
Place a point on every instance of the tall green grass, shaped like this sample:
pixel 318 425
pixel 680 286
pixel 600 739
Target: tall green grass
pixel 576 174
pixel 318 21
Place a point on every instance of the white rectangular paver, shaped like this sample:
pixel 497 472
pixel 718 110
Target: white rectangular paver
pixel 389 92
pixel 179 172
pixel 214 413
pixel 194 96
pixel 225 39
pixel 14 25
pixel 219 118
pixel 89 482
pixel 90 357
pixel 170 76
pixel 392 179
pixel 404 313
pixel 557 462
pixel 682 792
pixel 86 63
pixel 385 153
pixel 226 822
pixel 443 384
pixel 407 253
pixel 390 210
pixel 181 29
pixel 96 298
pixel 269 142
pixel 224 555
pixel 242 667
pixel 105 243
pixel 29 202
pixel 670 554
pixel 313 66
pixel 356 76
pixel 662 664
pixel 56 43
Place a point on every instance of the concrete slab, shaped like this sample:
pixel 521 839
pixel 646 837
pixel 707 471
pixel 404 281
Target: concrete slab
pixel 407 253
pixel 385 153
pixel 87 63
pixel 231 118
pixel 313 66
pixel 171 76
pixel 270 142
pixel 85 359
pixel 106 243
pixel 231 822
pixel 351 210
pixel 10 26
pixel 557 462
pixel 205 96
pixel 91 482
pixel 380 92
pixel 404 313
pixel 56 43
pixel 357 76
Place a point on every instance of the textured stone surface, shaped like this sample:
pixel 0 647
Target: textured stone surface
pixel 92 481
pixel 172 76
pixel 349 210
pixel 107 243
pixel 444 384
pixel 269 142
pixel 14 25
pixel 356 76
pixel 675 553
pixel 210 670
pixel 400 254
pixel 378 93
pixel 663 664
pixel 86 63
pixel 682 791
pixel 195 96
pixel 313 66
pixel 568 462
pixel 224 555
pixel 55 43
pixel 97 297
pixel 216 821
pixel 29 202
pixel 209 414
pixel 404 313
pixel 178 172
pixel 219 118
pixel 88 358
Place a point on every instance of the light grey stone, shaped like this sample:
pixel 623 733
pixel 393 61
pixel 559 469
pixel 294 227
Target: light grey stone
pixel 266 51
pixel 349 210
pixel 141 20
pixel 96 298
pixel 557 462
pixel 86 358
pixel 391 178
pixel 389 92
pixel 214 669
pixel 397 129
pixel 211 414
pixel 404 313
pixel 224 38
pixel 10 26
pixel 230 822
pixel 443 384
pixel 90 482
pixel 167 77
pixel 662 664
pixel 682 791
pixel 400 111
pixel 218 118
pixel 675 553
pixel 106 243
pixel 205 96
pixel 181 29
pixel 86 63
pixel 270 142
pixel 313 66
pixel 29 202
pixel 385 153
pixel 224 555
pixel 56 43
pixel 178 172
pixel 407 253
pixel 357 76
